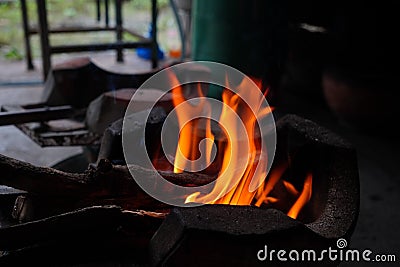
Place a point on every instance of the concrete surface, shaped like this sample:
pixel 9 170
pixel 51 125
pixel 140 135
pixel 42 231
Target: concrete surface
pixel 14 143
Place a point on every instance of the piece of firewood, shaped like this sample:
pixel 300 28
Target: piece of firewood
pixel 92 221
pixel 100 185
pixel 41 180
pixel 49 181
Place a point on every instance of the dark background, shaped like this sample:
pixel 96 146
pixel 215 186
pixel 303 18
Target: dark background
pixel 334 62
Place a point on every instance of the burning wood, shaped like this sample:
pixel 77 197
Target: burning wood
pixel 87 233
pixel 32 233
pixel 103 183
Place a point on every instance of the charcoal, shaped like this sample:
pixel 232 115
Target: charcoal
pixel 111 106
pixel 111 146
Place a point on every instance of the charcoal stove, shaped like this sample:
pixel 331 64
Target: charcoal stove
pixel 208 235
pixel 234 234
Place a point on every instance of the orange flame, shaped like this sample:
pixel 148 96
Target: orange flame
pixel 238 169
pixel 303 198
pixel 189 141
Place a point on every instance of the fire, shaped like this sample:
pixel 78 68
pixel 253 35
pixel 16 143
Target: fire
pixel 303 198
pixel 242 176
pixel 188 147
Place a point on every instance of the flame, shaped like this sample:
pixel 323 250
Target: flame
pixel 241 166
pixel 189 141
pixel 266 188
pixel 303 198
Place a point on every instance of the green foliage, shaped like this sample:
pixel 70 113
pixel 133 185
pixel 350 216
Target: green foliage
pixel 64 12
pixel 13 53
pixel 146 4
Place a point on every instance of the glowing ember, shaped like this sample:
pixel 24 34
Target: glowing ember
pixel 238 169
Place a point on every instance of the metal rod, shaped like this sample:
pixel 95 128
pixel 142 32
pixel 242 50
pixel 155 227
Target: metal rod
pixel 98 9
pixel 119 31
pixel 44 37
pixel 73 29
pixel 106 6
pixel 98 47
pixel 25 25
pixel 154 47
pixel 35 115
